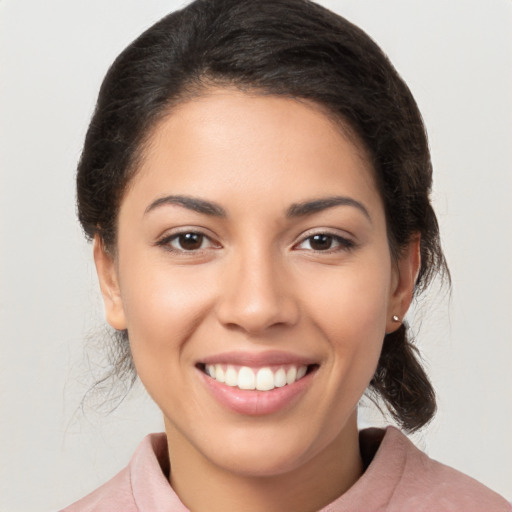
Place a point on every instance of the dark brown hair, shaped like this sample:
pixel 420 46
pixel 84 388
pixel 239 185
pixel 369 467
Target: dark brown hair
pixel 293 48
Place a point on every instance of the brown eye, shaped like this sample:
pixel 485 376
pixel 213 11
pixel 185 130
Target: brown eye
pixel 320 242
pixel 189 241
pixel 324 242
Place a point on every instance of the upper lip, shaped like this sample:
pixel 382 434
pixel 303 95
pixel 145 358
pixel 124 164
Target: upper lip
pixel 268 358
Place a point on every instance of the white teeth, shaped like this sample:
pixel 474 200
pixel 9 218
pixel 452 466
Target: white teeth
pixel 280 378
pixel 246 378
pixel 219 373
pixel 291 375
pixel 263 379
pixel 231 377
pixel 301 372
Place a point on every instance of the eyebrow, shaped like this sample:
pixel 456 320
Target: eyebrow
pixel 191 203
pixel 295 210
pixel 317 205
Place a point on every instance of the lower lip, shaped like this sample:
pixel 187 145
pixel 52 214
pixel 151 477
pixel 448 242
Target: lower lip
pixel 253 402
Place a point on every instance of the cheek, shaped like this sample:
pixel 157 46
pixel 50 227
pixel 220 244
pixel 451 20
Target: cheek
pixel 163 307
pixel 350 308
pixel 353 298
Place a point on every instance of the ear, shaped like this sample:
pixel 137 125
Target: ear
pixel 109 285
pixel 405 274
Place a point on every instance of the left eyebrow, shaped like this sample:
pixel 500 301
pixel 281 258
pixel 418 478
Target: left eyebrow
pixel 317 205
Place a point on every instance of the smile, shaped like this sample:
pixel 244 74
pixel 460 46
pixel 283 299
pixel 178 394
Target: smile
pixel 260 379
pixel 257 385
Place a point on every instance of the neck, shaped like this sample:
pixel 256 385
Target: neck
pixel 202 485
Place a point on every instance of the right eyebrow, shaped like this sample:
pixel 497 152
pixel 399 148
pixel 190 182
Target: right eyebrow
pixel 191 203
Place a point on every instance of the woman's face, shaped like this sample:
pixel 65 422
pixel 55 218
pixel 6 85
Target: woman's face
pixel 252 248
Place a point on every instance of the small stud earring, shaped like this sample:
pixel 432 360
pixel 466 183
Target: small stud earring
pixel 395 318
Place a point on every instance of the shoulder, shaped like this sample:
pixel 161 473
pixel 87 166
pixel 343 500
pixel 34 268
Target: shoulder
pixel 142 480
pixel 114 496
pixel 425 484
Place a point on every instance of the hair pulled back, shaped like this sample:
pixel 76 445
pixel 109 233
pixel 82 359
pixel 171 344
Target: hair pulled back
pixel 293 48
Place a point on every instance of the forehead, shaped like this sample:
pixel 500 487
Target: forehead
pixel 229 144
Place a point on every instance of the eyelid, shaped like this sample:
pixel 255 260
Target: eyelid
pixel 165 239
pixel 346 242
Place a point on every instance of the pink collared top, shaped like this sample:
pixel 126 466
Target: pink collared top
pixel 398 478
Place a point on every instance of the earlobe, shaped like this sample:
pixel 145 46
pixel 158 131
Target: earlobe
pixel 406 273
pixel 109 285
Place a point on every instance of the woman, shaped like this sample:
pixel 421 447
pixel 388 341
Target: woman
pixel 256 181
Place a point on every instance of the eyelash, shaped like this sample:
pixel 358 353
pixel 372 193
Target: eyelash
pixel 166 242
pixel 343 244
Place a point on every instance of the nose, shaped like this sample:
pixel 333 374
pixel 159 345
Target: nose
pixel 257 294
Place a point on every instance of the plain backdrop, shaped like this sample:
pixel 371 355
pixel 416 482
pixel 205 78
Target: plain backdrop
pixel 456 55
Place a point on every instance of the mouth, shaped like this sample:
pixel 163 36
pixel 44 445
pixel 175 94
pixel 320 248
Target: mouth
pixel 261 378
pixel 257 384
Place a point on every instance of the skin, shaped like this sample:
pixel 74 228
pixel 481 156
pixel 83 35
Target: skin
pixel 255 284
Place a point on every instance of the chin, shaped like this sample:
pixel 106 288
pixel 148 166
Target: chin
pixel 254 464
pixel 264 453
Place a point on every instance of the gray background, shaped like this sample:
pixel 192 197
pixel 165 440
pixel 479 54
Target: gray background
pixel 456 55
